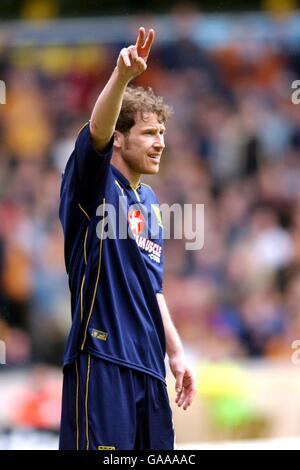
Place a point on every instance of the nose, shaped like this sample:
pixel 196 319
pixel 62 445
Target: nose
pixel 159 142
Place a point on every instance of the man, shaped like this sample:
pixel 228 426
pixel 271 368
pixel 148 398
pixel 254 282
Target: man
pixel 114 393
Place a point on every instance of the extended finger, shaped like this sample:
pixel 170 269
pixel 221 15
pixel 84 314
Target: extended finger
pixel 189 398
pixel 179 381
pixel 178 395
pixel 182 398
pixel 186 404
pixel 141 37
pixel 148 43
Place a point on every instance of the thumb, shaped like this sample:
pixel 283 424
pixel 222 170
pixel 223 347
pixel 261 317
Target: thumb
pixel 142 63
pixel 179 380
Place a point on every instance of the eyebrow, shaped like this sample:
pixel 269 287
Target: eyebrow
pixel 154 128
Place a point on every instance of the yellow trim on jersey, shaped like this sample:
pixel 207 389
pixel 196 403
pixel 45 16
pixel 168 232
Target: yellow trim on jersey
pixel 86 404
pixel 82 127
pixel 84 245
pixel 119 186
pixel 83 279
pixel 85 213
pixel 77 412
pixel 97 280
pixel 136 193
pixel 157 213
pixel 81 298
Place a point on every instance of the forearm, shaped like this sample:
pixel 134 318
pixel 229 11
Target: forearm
pixel 107 109
pixel 131 63
pixel 173 341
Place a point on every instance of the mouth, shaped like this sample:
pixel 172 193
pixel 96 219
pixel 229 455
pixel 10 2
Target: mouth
pixel 155 158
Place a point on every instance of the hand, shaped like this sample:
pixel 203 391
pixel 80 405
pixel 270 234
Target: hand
pixel 185 381
pixel 132 60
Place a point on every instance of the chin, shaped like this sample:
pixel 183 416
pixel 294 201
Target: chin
pixel 151 171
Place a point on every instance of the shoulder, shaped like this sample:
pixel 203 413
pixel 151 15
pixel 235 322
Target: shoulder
pixel 150 193
pixel 83 127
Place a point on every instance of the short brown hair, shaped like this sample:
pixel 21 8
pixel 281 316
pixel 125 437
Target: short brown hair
pixel 143 100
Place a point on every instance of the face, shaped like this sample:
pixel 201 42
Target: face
pixel 142 147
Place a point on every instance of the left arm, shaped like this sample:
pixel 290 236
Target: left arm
pixel 185 381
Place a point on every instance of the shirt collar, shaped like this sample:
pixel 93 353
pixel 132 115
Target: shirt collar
pixel 124 181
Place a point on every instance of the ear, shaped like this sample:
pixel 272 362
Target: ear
pixel 118 139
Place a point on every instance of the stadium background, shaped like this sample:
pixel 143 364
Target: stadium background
pixel 232 145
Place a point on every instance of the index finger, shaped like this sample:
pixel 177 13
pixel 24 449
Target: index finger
pixel 148 43
pixel 141 37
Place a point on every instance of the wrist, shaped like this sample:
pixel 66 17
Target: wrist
pixel 122 78
pixel 174 353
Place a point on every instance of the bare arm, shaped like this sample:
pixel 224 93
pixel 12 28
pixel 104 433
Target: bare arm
pixel 185 381
pixel 132 61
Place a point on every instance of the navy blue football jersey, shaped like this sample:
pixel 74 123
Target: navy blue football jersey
pixel 114 260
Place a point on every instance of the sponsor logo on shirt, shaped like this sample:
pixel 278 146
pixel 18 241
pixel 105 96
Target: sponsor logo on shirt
pixel 106 448
pixel 136 221
pixel 153 249
pixel 102 335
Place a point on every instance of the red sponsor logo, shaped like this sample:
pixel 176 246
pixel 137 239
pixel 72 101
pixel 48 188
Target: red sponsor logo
pixel 136 221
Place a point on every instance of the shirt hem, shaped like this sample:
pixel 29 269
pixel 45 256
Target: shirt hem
pixel 121 362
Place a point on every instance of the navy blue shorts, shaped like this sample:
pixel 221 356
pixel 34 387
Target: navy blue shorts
pixel 106 406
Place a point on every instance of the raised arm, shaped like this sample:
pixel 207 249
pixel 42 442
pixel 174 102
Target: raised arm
pixel 132 61
pixel 185 381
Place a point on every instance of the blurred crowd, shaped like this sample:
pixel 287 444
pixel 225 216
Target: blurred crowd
pixel 233 145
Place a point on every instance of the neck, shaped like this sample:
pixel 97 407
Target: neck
pixel 130 175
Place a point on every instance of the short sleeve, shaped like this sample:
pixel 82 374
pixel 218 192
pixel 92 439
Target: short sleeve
pixel 90 164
